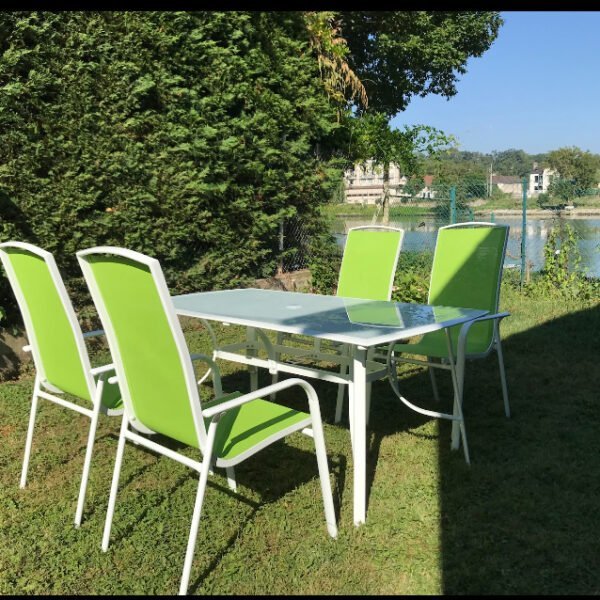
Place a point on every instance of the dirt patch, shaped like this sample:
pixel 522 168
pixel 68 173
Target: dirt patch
pixel 12 357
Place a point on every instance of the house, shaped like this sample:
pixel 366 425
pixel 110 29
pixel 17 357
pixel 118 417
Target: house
pixel 509 184
pixel 364 184
pixel 539 180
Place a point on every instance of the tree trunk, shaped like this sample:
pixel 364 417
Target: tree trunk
pixel 386 193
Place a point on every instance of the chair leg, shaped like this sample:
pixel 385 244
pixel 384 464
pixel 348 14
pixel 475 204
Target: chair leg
pixel 115 484
pixel 231 478
pixel 274 380
pixel 351 413
pixel 436 394
pixel 502 377
pixel 28 443
pixel 88 454
pixel 319 438
pixel 275 376
pixel 191 545
pixel 339 405
pixel 457 369
pixel 458 377
pixel 252 370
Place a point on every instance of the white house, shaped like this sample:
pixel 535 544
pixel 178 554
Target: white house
pixel 539 180
pixel 364 184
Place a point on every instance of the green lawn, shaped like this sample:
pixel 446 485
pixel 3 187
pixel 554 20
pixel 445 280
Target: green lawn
pixel 522 519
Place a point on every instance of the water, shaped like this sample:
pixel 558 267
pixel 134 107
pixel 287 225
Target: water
pixel 421 232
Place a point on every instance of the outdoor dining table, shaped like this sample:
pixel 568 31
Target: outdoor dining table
pixel 361 324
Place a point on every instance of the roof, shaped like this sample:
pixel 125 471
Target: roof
pixel 506 179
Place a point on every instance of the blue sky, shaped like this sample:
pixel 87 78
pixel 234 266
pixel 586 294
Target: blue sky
pixel 536 89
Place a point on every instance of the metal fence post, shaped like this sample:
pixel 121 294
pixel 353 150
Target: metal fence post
pixel 492 217
pixel 452 205
pixel 471 215
pixel 524 232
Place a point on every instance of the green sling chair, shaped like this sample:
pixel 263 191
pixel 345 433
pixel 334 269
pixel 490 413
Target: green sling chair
pixel 153 365
pixel 57 345
pixel 466 272
pixel 367 271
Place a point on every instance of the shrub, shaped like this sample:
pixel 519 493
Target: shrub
pixel 188 136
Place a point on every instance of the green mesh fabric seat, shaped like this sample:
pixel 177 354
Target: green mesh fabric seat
pixel 58 348
pixel 156 376
pixel 367 271
pixel 466 272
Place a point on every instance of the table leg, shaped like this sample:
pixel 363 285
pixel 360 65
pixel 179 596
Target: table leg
pixel 252 370
pixel 359 432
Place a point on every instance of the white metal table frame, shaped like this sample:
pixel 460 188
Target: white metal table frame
pixel 351 321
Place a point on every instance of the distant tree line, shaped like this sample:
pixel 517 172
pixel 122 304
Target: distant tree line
pixel 576 169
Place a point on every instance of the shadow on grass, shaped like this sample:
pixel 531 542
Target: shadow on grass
pixel 524 517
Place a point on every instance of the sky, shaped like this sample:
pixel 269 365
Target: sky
pixel 536 89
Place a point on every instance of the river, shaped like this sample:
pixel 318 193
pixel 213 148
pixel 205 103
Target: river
pixel 420 234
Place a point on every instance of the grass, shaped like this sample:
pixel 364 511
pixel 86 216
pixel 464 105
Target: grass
pixel 521 519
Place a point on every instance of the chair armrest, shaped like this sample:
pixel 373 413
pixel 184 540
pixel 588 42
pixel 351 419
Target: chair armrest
pixel 494 316
pixel 212 366
pixel 464 330
pixel 102 369
pixel 219 409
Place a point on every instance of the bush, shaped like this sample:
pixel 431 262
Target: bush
pixel 563 275
pixel 188 136
pixel 325 259
pixel 411 282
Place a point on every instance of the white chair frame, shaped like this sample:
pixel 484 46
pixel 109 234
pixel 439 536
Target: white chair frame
pixel 456 364
pixel 312 427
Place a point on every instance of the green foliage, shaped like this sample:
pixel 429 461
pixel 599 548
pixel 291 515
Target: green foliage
pixel 576 166
pixel 563 275
pixel 512 162
pixel 374 139
pixel 324 263
pixel 564 189
pixel 401 54
pixel 411 282
pixel 452 166
pixel 185 135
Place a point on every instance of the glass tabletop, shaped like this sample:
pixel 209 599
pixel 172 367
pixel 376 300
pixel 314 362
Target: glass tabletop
pixel 347 320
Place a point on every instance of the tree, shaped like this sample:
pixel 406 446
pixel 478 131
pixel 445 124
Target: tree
pixel 401 54
pixel 575 166
pixel 512 162
pixel 372 139
pixel 185 135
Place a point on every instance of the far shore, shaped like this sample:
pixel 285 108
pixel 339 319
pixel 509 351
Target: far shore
pixel 539 212
pixel 575 213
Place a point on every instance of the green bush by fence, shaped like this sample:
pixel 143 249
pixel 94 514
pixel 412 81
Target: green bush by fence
pixel 185 135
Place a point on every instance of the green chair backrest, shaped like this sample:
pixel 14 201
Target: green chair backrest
pixel 57 344
pixel 369 262
pixel 467 271
pixel 149 352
